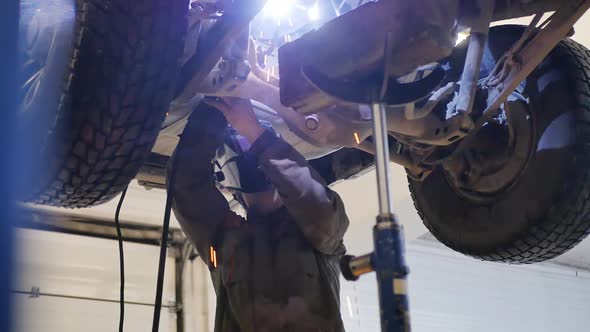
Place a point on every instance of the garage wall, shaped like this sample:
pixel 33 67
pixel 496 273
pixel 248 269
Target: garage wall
pixel 55 314
pixel 199 297
pixel 77 279
pixel 453 293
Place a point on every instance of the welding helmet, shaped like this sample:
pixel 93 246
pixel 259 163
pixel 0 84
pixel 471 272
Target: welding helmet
pixel 236 169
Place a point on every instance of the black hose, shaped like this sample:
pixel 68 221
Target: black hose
pixel 121 261
pixel 162 265
pixel 163 248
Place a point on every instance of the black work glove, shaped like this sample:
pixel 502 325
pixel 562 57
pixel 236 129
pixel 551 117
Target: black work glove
pixel 204 133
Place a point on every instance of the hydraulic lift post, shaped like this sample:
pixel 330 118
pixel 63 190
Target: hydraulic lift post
pixel 387 259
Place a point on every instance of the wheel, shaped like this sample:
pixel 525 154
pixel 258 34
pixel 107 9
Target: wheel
pixel 521 192
pixel 97 78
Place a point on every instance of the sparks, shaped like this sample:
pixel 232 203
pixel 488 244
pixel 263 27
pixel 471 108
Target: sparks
pixel 213 256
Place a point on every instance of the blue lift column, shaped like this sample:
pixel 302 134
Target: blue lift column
pixel 387 260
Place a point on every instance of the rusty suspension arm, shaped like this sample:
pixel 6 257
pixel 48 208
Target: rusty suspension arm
pixel 524 61
pixel 214 43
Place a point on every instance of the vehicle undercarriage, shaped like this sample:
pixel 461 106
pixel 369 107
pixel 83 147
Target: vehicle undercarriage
pixel 469 121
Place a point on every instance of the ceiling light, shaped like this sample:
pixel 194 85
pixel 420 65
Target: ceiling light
pixel 277 9
pixel 313 13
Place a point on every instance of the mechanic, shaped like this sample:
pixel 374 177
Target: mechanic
pixel 277 270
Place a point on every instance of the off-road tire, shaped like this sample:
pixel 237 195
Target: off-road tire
pixel 114 95
pixel 547 211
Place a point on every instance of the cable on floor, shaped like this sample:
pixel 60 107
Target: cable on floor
pixel 164 245
pixel 121 261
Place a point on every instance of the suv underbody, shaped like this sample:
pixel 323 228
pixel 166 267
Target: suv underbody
pixel 492 131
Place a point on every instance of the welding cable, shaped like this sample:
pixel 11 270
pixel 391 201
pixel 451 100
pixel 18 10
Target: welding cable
pixel 121 261
pixel 164 246
pixel 162 265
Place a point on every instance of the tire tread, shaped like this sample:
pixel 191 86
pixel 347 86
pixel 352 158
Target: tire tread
pixel 114 99
pixel 568 223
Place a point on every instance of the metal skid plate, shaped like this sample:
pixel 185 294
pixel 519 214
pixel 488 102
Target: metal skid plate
pixel 353 46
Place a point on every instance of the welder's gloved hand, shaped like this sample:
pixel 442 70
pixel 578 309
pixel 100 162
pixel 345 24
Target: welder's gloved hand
pixel 204 131
pixel 203 134
pixel 240 115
